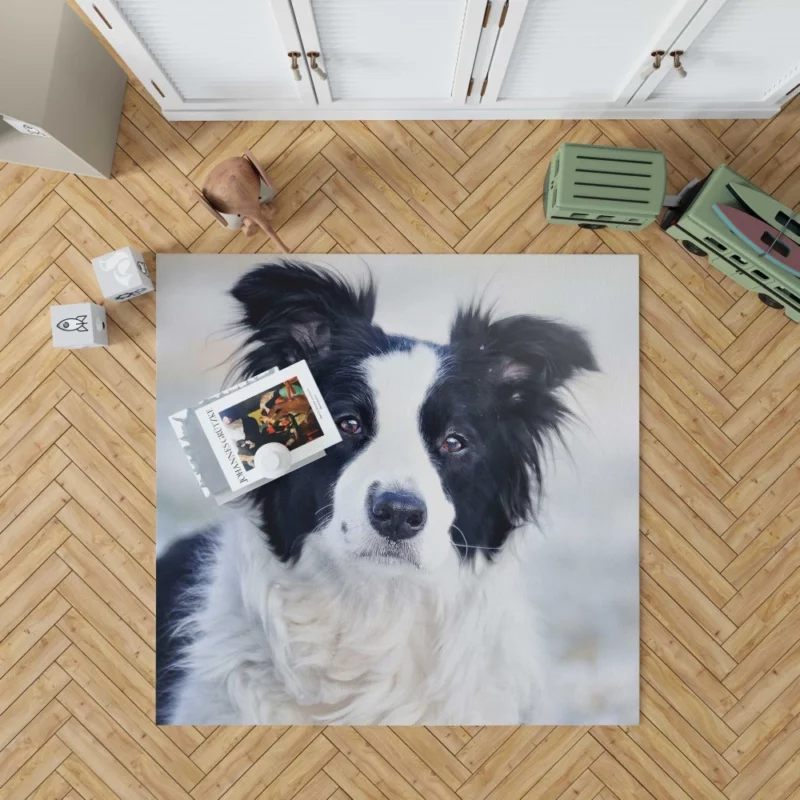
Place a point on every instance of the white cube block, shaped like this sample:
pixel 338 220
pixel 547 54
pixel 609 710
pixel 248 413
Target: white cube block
pixel 79 325
pixel 122 274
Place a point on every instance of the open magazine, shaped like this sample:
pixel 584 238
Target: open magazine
pixel 222 435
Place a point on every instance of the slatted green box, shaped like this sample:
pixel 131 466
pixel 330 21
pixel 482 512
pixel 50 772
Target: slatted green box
pixel 605 187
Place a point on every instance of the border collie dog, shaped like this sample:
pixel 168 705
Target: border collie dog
pixel 380 584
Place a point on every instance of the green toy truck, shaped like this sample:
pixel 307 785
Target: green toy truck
pixel 613 187
pixel 701 231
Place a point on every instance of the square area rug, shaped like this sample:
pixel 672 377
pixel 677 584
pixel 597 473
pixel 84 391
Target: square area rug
pixel 467 554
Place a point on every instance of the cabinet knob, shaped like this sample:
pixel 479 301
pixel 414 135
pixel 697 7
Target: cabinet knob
pixel 676 60
pixel 312 57
pixel 294 65
pixel 658 56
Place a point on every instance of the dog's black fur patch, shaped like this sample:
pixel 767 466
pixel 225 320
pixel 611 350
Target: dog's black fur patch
pixel 179 570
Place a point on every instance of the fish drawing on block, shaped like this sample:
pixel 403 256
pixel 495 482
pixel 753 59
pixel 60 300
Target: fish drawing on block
pixel 77 324
pixel 763 238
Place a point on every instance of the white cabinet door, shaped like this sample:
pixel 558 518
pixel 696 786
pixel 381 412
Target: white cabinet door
pixel 209 53
pixel 390 53
pixel 559 53
pixel 745 51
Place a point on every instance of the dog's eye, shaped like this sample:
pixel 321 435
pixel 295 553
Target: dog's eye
pixel 349 425
pixel 453 443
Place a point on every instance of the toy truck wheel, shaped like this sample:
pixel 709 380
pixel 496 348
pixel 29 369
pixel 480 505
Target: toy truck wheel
pixel 693 248
pixel 769 301
pixel 592 226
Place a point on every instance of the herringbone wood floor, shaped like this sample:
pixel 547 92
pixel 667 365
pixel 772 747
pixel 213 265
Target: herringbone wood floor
pixel 720 547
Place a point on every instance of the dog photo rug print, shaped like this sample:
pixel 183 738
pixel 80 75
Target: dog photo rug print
pixel 464 548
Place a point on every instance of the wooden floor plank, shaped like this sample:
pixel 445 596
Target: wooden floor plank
pixel 681 589
pixel 684 447
pixel 209 135
pixel 720 510
pixel 493 153
pixel 386 201
pixel 417 159
pixel 772 612
pixel 768 725
pixel 38 768
pixel 34 299
pixel 124 712
pixel 159 131
pixel 30 230
pixel 233 757
pixel 161 170
pixel 126 460
pixel 769 139
pixel 30 266
pixel 437 143
pixel 691 419
pixel 25 635
pixel 308 144
pixel 678 152
pixel 402 180
pixel 512 170
pixel 39 547
pixel 103 620
pixel 26 198
pixel 502 763
pixel 147 192
pixel 772 687
pixel 362 216
pixel 134 214
pixel 33 737
pixel 682 555
pixel 94 754
pixel 109 587
pixel 120 746
pixel 697 750
pixel 12 176
pixel 693 710
pixel 475 134
pixel 97 215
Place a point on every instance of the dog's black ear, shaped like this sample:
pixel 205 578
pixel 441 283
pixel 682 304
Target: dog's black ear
pixel 293 310
pixel 523 361
pixel 524 354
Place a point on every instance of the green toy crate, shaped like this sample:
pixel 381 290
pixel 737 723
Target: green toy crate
pixel 605 187
pixel 697 227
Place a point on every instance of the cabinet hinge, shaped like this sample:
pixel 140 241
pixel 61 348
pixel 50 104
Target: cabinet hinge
pixel 486 13
pixel 469 88
pixel 483 88
pixel 503 15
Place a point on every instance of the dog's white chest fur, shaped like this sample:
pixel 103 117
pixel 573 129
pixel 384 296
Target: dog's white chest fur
pixel 324 643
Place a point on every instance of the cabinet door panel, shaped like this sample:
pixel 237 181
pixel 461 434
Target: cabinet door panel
pixel 581 51
pixel 233 52
pixel 386 52
pixel 747 52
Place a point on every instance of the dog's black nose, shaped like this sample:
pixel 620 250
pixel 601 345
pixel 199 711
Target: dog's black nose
pixel 397 515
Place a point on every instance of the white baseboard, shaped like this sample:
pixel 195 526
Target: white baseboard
pixel 742 111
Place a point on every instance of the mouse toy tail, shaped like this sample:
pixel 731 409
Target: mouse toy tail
pixel 262 222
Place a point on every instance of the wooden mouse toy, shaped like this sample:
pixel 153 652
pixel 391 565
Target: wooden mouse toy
pixel 232 193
